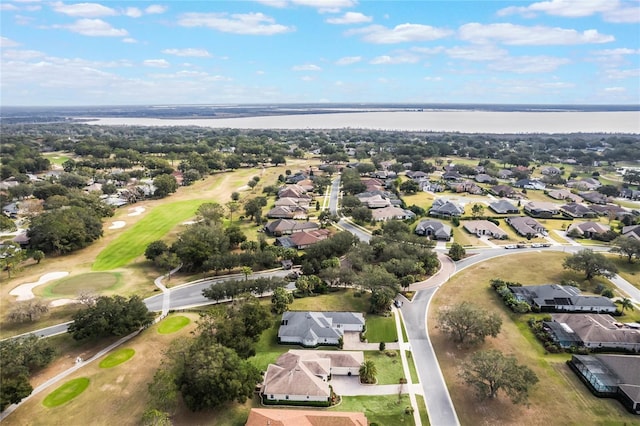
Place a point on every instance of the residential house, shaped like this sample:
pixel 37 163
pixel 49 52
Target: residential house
pixel 282 417
pixel 484 178
pixel 529 184
pixel 434 229
pixel 611 376
pixel 588 229
pixel 505 174
pixel 11 210
pixel 317 328
pixel 303 239
pixel 391 212
pixel 609 209
pixel 302 375
pixel 373 184
pixel 417 175
pixel 466 186
pixel 373 201
pixel 561 298
pixel 503 191
pixel 586 184
pixel 631 231
pixel 286 226
pixel 451 175
pixel 564 194
pixel 444 208
pixel 595 197
pixel 576 210
pixel 292 202
pixel 306 184
pixel 503 207
pixel 427 186
pixel 551 171
pixel 484 228
pixel 526 226
pixel 597 331
pixel 293 191
pixel 541 209
pixel 284 212
pixel 632 194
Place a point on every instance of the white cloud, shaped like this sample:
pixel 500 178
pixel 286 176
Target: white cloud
pixel 94 28
pixel 191 52
pixel 400 33
pixel 348 60
pixel 307 78
pixel 477 53
pixel 615 89
pixel 392 60
pixel 306 67
pixel 129 40
pixel 83 10
pixel 332 6
pixel 156 63
pixel 529 36
pixel 260 72
pixel 133 12
pixel 238 23
pixel 350 18
pixel 611 10
pixel 427 50
pixel 528 64
pixel 7 42
pixel 155 9
pixel 8 7
pixel 617 74
pixel 429 78
pixel 21 55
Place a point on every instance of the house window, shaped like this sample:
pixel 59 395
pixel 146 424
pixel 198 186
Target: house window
pixel 270 396
pixel 286 397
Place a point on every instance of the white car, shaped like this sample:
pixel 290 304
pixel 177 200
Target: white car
pixel 511 246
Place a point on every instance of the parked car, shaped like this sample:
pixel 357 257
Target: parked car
pixel 511 246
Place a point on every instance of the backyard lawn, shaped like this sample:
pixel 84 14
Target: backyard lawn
pixel 559 397
pixel 388 365
pixel 380 410
pixel 381 329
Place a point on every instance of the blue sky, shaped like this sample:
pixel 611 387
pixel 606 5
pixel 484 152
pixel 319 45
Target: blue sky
pixel 281 51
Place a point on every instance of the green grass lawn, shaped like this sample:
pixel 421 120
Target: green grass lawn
pixel 388 364
pixel 133 242
pixel 117 357
pixel 57 158
pixel 381 329
pixel 96 282
pixel 268 349
pixel 341 300
pixel 422 407
pixel 380 410
pixel 172 324
pixel 66 392
pixel 628 271
pixel 412 367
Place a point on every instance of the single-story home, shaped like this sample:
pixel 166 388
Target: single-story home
pixel 503 207
pixel 282 417
pixel 526 226
pixel 596 331
pixel 611 376
pixel 503 191
pixel 444 208
pixel 586 184
pixel 284 212
pixel 631 231
pixel 576 210
pixel 484 227
pixel 287 226
pixel 303 239
pixel 317 328
pixel 292 202
pixel 374 201
pixel 484 178
pixel 595 197
pixel 391 212
pixel 588 229
pixel 434 229
pixel 529 184
pixel 293 191
pixel 564 194
pixel 541 209
pixel 551 171
pixel 561 298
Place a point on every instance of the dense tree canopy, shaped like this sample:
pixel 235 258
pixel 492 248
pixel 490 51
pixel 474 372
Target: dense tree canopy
pixel 110 316
pixel 591 263
pixel 64 230
pixel 468 323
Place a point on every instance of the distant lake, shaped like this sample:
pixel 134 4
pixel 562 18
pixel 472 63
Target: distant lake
pixel 463 121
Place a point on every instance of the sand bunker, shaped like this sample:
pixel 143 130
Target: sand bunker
pixel 61 302
pixel 25 291
pixel 136 211
pixel 118 224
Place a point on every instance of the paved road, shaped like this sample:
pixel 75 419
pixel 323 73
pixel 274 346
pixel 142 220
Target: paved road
pixel 343 223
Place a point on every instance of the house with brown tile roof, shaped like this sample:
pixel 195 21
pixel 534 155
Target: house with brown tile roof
pixel 285 212
pixel 391 212
pixel 564 194
pixel 588 229
pixel 281 227
pixel 284 417
pixel 303 239
pixel 484 227
pixel 302 375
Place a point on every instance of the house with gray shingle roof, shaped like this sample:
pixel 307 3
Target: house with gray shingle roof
pixel 526 226
pixel 561 298
pixel 503 207
pixel 287 226
pixel 317 328
pixel 576 210
pixel 588 229
pixel 434 229
pixel 444 208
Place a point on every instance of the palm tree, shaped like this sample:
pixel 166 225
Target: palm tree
pixel 368 372
pixel 626 304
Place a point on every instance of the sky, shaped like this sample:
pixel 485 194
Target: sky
pixel 314 51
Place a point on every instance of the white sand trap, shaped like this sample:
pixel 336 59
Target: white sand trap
pixel 244 188
pixel 118 224
pixel 62 302
pixel 190 222
pixel 25 291
pixel 136 211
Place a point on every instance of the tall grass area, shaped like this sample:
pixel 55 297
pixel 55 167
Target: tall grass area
pixel 133 242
